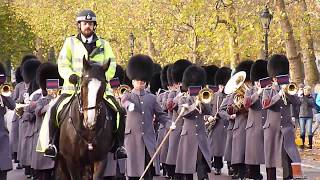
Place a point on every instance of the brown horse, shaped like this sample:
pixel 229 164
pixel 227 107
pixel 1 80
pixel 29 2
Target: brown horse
pixel 87 127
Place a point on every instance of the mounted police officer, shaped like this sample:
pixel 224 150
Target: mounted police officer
pixel 94 48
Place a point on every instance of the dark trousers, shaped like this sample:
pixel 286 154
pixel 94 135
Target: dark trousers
pixel 202 166
pixel 271 174
pixel 240 170
pixel 170 170
pixel 217 162
pixel 253 172
pixel 3 175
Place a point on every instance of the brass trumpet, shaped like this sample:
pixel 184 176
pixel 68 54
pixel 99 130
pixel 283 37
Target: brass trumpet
pixel 290 89
pixel 205 95
pixel 6 90
pixel 122 89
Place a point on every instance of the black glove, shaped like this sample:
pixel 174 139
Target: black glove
pixel 74 79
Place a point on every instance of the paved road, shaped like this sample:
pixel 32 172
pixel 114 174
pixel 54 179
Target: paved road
pixel 311 170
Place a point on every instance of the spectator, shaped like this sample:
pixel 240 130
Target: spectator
pixel 317 107
pixel 306 115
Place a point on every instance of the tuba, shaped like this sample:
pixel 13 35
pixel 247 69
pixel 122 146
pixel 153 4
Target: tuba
pixel 236 85
pixel 6 90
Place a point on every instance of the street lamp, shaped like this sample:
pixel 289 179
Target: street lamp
pixel 131 41
pixel 266 18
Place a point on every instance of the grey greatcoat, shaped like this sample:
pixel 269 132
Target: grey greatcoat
pixel 218 136
pixel 17 96
pixel 162 129
pixel 5 152
pixel 239 134
pixel 225 115
pixel 28 121
pixel 139 132
pixel 165 147
pixel 174 137
pixel 39 161
pixel 278 129
pixel 193 138
pixel 254 131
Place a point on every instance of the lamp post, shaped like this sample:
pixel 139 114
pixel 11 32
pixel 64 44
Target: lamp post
pixel 131 41
pixel 266 18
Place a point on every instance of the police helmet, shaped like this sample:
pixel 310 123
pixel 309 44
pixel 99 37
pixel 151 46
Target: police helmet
pixel 86 15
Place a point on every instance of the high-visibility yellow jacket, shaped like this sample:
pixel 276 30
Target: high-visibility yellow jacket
pixel 71 56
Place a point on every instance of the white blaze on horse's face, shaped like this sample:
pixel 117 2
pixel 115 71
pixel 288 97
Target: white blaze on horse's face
pixel 93 88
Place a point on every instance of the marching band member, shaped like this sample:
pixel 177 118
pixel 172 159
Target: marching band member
pixel 141 106
pixel 27 120
pixel 279 137
pixel 256 118
pixel 19 90
pixel 193 152
pixel 178 69
pixel 162 129
pixel 218 131
pixel 5 152
pixel 239 132
pixel 43 165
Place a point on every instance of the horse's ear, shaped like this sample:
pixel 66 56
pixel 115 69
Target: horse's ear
pixel 106 65
pixel 85 63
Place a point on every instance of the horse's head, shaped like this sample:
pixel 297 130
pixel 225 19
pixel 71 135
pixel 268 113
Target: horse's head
pixel 93 85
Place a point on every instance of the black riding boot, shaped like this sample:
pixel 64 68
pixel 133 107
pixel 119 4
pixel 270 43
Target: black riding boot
pixel 54 132
pixel 217 164
pixel 118 148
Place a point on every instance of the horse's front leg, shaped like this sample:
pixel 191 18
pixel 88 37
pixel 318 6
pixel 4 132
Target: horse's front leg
pixel 99 168
pixel 75 170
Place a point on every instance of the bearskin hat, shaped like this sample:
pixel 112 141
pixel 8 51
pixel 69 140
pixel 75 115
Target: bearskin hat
pixel 119 73
pixel 18 75
pixel 140 67
pixel 156 68
pixel 169 75
pixel 259 70
pixel 2 69
pixel 211 72
pixel 222 76
pixel 246 67
pixel 178 68
pixel 164 78
pixel 278 64
pixel 29 69
pixel 46 71
pixel 194 76
pixel 155 83
pixel 27 57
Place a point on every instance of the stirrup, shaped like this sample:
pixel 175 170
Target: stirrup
pixel 48 152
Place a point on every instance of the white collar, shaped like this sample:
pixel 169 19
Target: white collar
pixel 84 38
